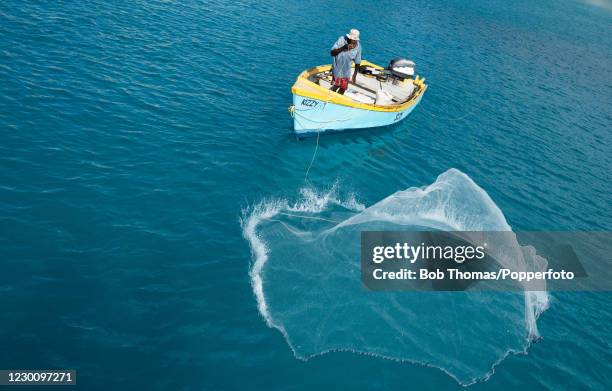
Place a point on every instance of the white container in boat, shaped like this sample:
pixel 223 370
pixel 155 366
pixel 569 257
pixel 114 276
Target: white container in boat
pixel 383 98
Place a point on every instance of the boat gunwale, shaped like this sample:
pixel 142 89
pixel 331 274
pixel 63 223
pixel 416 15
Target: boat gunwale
pixel 305 88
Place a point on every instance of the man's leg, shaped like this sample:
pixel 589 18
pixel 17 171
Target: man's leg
pixel 343 86
pixel 334 86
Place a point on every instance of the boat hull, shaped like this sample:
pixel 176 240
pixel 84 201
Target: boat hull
pixel 311 116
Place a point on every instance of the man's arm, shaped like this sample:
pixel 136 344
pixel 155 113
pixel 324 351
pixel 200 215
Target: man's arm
pixel 340 46
pixel 335 52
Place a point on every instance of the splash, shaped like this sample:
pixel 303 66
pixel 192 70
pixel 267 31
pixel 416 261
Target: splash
pixel 306 279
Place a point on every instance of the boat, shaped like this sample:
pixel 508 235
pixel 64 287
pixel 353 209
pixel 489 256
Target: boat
pixel 378 97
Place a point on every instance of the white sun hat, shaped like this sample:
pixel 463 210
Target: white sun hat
pixel 354 34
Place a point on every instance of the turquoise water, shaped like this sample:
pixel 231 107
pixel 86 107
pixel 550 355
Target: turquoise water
pixel 136 136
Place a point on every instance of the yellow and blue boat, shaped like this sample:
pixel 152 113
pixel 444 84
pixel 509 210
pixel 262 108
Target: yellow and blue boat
pixel 379 97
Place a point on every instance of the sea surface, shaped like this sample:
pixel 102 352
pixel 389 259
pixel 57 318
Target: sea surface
pixel 139 137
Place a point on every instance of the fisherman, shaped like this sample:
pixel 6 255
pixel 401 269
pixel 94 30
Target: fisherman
pixel 346 50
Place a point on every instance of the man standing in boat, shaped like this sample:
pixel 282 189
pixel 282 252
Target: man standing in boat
pixel 346 50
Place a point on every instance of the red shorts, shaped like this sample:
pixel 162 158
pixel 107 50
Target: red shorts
pixel 341 82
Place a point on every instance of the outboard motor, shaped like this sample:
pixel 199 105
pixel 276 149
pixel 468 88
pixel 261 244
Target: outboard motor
pixel 402 68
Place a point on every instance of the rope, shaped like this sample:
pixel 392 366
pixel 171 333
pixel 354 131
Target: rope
pixel 313 159
pixel 295 112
